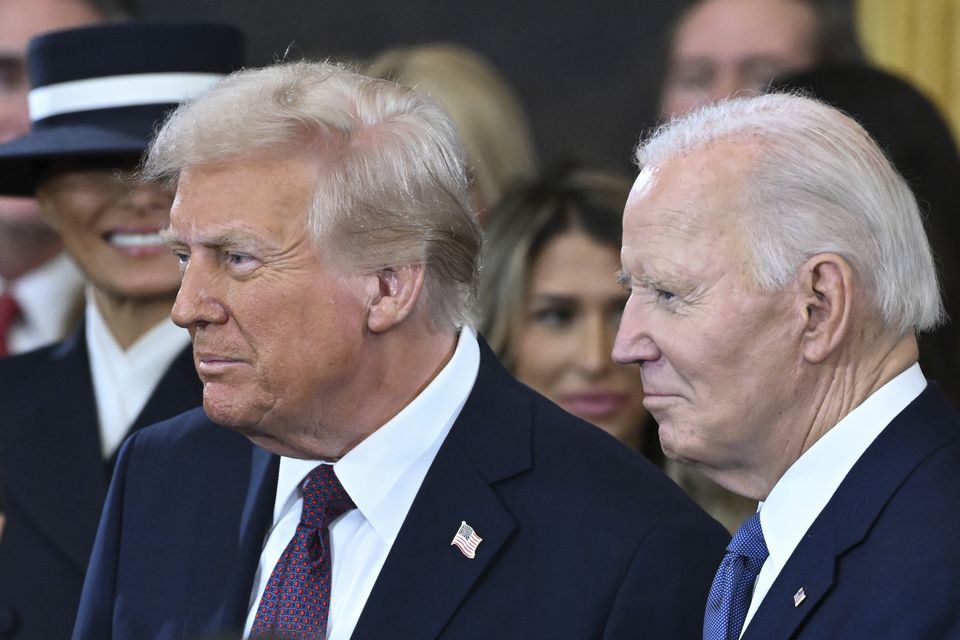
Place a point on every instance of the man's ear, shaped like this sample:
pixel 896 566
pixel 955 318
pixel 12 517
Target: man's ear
pixel 826 289
pixel 397 294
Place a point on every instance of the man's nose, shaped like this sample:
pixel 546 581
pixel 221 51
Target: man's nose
pixel 634 344
pixel 727 83
pixel 198 303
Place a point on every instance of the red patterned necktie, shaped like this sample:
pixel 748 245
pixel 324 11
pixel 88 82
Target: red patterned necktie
pixel 9 312
pixel 296 600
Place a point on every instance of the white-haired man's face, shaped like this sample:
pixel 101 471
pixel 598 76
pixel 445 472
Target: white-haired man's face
pixel 720 360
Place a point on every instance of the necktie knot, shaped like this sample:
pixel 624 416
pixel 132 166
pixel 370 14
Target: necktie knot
pixel 748 542
pixel 324 498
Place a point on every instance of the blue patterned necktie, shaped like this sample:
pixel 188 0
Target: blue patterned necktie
pixel 296 600
pixel 733 585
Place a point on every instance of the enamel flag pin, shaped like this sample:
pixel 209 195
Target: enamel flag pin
pixel 466 540
pixel 799 597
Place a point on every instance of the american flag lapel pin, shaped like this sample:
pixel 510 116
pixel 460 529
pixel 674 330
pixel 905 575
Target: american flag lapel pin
pixel 467 540
pixel 799 597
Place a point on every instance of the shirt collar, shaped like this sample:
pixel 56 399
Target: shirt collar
pixel 807 486
pixel 383 473
pixel 155 349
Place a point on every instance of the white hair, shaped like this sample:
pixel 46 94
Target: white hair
pixel 818 184
pixel 392 191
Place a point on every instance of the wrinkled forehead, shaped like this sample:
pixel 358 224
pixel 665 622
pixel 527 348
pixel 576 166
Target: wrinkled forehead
pixel 690 208
pixel 273 195
pixel 690 192
pixel 652 211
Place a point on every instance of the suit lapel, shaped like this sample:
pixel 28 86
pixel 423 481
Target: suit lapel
pixel 227 551
pixel 425 578
pixel 60 450
pixel 926 425
pixel 812 568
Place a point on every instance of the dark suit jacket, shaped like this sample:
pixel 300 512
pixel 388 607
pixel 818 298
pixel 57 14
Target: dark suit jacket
pixel 55 481
pixel 582 538
pixel 883 558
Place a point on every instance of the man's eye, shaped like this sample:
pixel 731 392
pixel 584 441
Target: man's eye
pixel 692 76
pixel 760 71
pixel 663 294
pixel 183 258
pixel 238 259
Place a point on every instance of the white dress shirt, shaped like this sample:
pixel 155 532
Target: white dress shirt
pixel 47 296
pixel 123 381
pixel 807 486
pixel 382 475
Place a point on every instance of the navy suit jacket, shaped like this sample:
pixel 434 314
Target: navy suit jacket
pixel 883 558
pixel 582 538
pixel 55 480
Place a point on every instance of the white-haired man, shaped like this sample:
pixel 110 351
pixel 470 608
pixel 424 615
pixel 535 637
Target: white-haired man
pixel 402 485
pixel 778 271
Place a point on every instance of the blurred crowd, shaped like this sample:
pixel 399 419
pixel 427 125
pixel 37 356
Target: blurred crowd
pixel 87 282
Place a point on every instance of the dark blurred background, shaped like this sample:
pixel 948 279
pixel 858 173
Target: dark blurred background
pixel 587 72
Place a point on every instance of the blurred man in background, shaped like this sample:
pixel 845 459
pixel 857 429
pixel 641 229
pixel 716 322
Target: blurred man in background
pixel 723 48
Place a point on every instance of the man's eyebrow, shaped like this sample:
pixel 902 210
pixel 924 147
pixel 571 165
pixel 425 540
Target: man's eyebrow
pixel 169 236
pixel 223 240
pixel 629 280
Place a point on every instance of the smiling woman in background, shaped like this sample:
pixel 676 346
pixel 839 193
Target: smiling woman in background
pixel 551 301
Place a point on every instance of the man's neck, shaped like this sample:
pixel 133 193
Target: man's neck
pixel 839 388
pixel 857 379
pixel 857 375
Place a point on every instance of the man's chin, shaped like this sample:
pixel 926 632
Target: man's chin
pixel 676 449
pixel 229 415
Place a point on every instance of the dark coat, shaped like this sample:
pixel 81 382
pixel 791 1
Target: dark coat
pixel 882 561
pixel 55 480
pixel 582 538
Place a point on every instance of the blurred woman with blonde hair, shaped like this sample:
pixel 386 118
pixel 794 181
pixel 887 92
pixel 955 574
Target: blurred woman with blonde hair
pixel 486 111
